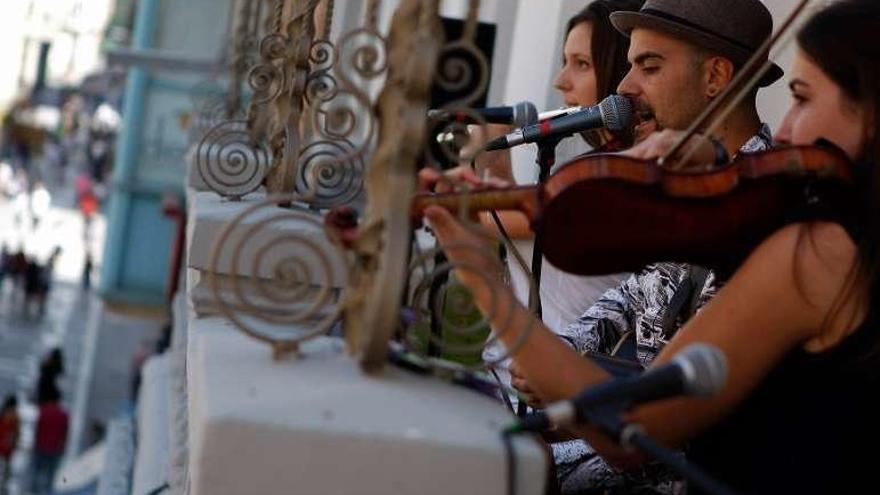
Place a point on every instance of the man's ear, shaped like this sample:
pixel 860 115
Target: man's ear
pixel 718 73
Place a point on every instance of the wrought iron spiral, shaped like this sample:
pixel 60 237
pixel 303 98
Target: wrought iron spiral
pixel 287 275
pixel 452 141
pixel 464 332
pixel 210 107
pixel 463 71
pixel 267 78
pixel 229 161
pixel 363 56
pixel 321 85
pixel 329 175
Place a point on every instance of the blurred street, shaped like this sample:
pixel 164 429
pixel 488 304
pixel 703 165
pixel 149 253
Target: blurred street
pixel 25 335
pixel 74 320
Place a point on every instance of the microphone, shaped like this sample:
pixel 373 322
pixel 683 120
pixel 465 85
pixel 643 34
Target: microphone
pixel 614 113
pixel 699 370
pixel 521 114
pixel 463 117
pixel 552 114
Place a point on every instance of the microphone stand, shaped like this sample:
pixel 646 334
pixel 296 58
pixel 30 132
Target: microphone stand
pixel 546 159
pixel 632 436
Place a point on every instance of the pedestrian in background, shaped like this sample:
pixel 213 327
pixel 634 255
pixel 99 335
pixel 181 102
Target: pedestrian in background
pixel 9 429
pixel 50 369
pixel 51 439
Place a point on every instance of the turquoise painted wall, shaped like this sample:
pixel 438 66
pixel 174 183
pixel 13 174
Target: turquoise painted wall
pixel 151 146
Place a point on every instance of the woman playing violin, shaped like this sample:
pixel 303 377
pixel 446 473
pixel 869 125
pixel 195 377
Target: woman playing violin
pixel 797 320
pixel 593 64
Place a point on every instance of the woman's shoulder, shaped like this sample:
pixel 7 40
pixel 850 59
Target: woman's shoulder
pixel 810 267
pixel 828 243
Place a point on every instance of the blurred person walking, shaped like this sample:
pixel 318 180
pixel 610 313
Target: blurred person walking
pixel 40 202
pixel 51 439
pixel 5 259
pixel 51 368
pixel 18 191
pixel 9 431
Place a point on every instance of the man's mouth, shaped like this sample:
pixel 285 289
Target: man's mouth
pixel 646 123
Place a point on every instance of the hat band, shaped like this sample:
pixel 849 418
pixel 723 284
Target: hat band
pixel 692 25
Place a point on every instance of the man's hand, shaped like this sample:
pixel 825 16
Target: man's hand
pixel 698 146
pixel 518 381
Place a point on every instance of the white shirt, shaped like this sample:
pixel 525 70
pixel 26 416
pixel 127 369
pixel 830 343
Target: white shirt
pixel 563 295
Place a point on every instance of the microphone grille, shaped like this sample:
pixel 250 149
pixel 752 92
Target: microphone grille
pixel 524 113
pixel 617 113
pixel 704 367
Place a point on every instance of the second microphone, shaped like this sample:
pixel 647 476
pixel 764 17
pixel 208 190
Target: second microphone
pixel 614 113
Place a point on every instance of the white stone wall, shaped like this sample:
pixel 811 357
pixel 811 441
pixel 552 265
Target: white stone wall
pixel 74 27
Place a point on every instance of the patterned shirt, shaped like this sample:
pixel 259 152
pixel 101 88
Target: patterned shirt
pixel 639 304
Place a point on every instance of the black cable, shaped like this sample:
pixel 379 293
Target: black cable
pixel 507 439
pixel 678 463
pixel 503 390
pixel 159 489
pixel 609 419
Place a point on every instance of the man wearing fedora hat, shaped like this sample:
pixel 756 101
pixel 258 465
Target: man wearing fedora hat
pixel 684 53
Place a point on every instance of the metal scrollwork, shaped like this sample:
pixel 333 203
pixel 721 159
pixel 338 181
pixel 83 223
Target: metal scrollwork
pixel 267 78
pixel 284 133
pixel 463 331
pixel 230 161
pixel 339 123
pixel 287 290
pixel 321 85
pixel 373 308
pixel 210 107
pixel 463 72
pixel 329 175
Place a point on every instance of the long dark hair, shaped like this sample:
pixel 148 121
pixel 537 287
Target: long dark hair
pixel 608 46
pixel 842 41
pixel 608 49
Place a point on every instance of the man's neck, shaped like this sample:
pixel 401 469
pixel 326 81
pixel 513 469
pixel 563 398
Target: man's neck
pixel 740 126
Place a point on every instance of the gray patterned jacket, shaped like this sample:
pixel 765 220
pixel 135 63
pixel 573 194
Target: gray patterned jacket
pixel 639 304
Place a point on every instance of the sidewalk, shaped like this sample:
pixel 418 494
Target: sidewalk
pixel 97 342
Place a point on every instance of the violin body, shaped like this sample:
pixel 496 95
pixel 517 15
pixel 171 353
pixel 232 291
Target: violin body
pixel 607 213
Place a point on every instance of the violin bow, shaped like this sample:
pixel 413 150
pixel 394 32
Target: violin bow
pixel 734 93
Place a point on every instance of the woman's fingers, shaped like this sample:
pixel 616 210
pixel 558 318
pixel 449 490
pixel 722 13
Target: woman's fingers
pixel 433 180
pixel 471 250
pixel 522 386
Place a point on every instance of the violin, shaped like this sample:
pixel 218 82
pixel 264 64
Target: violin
pixel 608 213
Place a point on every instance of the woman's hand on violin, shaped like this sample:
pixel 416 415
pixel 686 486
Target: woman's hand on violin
pixel 474 254
pixel 519 382
pixel 492 163
pixel 457 179
pixel 699 149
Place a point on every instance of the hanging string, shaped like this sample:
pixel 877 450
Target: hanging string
pixel 473 17
pixel 328 20
pixel 278 16
pixel 372 20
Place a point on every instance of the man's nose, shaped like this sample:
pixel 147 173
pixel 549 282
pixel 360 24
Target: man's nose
pixel 628 86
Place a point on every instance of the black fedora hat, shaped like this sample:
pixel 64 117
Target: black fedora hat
pixel 734 29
